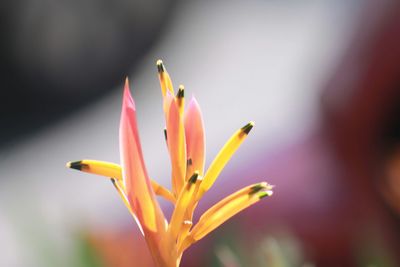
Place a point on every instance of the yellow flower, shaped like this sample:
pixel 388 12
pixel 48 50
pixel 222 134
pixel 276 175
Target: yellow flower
pixel 185 139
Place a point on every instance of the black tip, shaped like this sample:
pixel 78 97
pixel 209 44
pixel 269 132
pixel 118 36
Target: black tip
pixel 247 128
pixel 77 165
pixel 181 92
pixel 194 177
pixel 256 188
pixel 114 183
pixel 264 194
pixel 160 66
pixel 165 134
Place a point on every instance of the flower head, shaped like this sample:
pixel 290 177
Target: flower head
pixel 184 134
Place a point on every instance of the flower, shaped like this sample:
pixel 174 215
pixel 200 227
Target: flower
pixel 184 134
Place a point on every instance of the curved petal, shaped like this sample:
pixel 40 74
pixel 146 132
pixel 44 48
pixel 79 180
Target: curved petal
pixel 165 79
pixel 114 171
pixel 195 138
pixel 168 99
pixel 137 183
pixel 225 209
pixel 176 143
pixel 223 157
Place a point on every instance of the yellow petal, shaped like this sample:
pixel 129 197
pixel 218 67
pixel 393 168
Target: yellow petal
pixel 223 157
pixel 98 167
pixel 227 208
pixel 184 231
pixel 181 205
pixel 165 79
pixel 113 170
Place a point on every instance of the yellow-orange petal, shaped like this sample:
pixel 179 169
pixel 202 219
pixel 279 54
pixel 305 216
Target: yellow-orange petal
pixel 137 183
pixel 176 146
pixel 195 138
pixel 183 233
pixel 178 216
pixel 167 101
pixel 248 190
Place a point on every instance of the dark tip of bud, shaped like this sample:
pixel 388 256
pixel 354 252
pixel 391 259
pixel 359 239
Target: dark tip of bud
pixel 77 165
pixel 194 177
pixel 160 66
pixel 189 162
pixel 114 182
pixel 257 188
pixel 165 134
pixel 247 128
pixel 181 92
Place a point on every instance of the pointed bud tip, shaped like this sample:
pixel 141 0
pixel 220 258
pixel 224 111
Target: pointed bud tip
pixel 193 105
pixel 247 128
pixel 160 66
pixel 127 100
pixel 77 165
pixel 126 86
pixel 181 92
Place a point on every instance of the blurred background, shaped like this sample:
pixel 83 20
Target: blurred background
pixel 320 78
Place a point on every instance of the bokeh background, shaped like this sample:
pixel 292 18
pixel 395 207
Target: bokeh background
pixel 320 78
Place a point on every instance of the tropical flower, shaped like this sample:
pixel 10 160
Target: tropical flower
pixel 184 134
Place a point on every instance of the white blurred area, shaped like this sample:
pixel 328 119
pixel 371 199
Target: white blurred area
pixel 243 60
